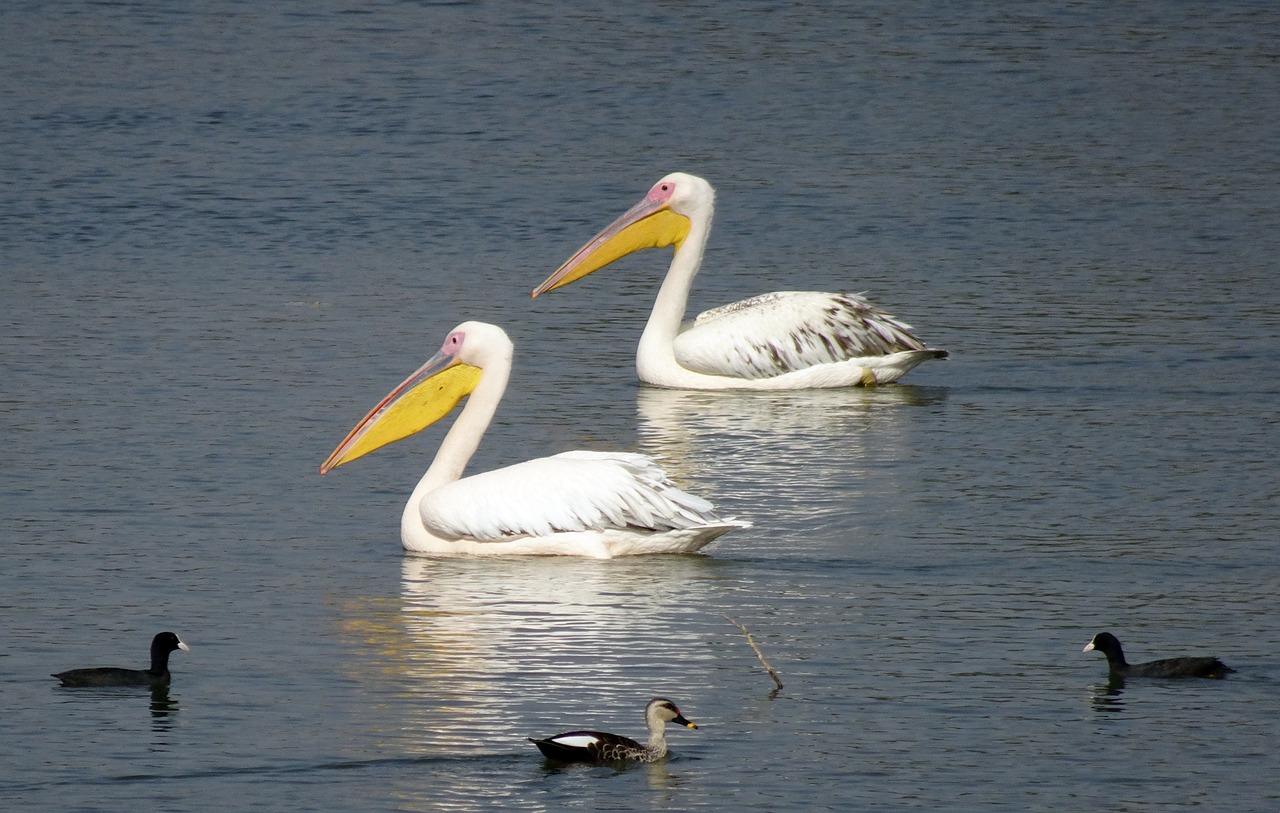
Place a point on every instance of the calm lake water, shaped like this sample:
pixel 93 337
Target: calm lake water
pixel 227 229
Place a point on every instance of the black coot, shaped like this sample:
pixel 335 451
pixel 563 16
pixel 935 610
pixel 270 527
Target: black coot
pixel 157 675
pixel 1108 645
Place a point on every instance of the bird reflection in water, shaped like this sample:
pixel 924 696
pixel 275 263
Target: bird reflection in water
pixel 658 775
pixel 1107 696
pixel 780 456
pixel 164 710
pixel 485 652
pixel 162 705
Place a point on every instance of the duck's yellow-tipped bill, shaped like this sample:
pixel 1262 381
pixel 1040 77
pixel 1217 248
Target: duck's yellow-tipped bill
pixel 421 399
pixel 648 224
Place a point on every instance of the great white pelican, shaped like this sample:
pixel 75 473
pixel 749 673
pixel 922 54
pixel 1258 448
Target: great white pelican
pixel 580 503
pixel 784 340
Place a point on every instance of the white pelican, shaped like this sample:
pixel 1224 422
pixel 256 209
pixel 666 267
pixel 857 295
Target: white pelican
pixel 781 341
pixel 599 504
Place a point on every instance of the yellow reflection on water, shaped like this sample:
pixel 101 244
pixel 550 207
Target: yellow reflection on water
pixel 482 653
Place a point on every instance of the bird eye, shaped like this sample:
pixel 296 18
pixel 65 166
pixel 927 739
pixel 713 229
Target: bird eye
pixel 662 191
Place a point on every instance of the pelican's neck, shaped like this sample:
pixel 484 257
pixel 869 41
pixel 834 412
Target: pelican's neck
pixel 656 352
pixel 463 438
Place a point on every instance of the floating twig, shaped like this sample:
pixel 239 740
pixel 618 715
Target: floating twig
pixel 756 649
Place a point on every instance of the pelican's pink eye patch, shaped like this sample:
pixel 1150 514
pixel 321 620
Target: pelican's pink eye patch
pixel 662 192
pixel 453 343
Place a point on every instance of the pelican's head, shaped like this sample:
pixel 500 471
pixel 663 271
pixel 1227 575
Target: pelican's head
pixel 429 394
pixel 662 218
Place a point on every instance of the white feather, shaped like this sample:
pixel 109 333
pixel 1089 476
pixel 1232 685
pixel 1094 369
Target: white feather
pixel 578 741
pixel 572 491
pixel 787 331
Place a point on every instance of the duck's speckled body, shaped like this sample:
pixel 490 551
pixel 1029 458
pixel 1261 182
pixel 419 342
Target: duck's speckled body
pixel 600 746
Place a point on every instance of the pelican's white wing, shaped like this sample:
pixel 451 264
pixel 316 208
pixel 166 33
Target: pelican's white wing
pixel 782 332
pixel 573 491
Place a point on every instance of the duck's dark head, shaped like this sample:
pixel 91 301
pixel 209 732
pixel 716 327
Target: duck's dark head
pixel 666 711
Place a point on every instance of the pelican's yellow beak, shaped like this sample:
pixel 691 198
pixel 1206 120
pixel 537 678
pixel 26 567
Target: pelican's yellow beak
pixel 649 224
pixel 423 398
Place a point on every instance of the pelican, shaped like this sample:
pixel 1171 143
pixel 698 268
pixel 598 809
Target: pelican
pixel 785 340
pixel 599 504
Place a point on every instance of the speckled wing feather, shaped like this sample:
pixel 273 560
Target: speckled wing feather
pixel 590 746
pixel 573 491
pixel 781 332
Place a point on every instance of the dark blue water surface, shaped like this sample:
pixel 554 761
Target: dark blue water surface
pixel 227 229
